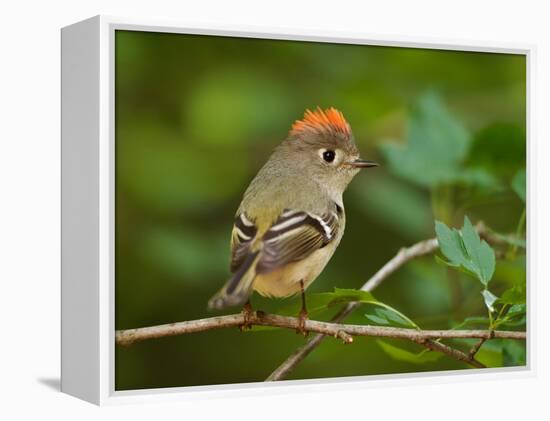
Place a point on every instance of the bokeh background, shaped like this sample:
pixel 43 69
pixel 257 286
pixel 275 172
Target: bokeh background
pixel 197 116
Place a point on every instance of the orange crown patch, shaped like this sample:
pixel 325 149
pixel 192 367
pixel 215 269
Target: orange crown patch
pixel 319 120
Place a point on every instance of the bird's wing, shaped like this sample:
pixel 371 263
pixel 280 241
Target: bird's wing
pixel 294 236
pixel 242 236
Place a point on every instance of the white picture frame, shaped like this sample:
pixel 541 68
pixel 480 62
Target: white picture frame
pixel 88 212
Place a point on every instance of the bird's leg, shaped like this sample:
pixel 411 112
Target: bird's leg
pixel 247 314
pixel 302 315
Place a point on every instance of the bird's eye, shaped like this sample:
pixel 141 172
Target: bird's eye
pixel 329 155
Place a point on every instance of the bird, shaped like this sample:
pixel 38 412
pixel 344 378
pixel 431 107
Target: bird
pixel 292 217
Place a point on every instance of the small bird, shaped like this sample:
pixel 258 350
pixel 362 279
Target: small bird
pixel 292 218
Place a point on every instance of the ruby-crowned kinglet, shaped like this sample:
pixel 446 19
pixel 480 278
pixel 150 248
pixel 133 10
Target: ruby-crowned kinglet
pixel 291 218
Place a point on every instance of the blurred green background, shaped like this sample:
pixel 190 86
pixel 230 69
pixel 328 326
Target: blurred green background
pixel 197 116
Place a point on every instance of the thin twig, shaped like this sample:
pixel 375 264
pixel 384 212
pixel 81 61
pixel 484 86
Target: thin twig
pixel 472 353
pixel 454 353
pixel 342 331
pixel 404 255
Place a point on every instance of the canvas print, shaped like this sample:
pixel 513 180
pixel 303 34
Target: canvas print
pixel 290 210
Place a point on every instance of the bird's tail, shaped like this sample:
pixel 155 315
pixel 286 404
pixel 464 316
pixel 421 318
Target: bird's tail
pixel 237 290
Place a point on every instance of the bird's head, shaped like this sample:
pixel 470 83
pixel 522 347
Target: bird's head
pixel 322 146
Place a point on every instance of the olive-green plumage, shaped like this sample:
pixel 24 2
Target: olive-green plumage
pixel 291 218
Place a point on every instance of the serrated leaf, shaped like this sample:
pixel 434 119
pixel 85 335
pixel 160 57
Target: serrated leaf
pixel 519 184
pixel 489 298
pixel 455 266
pixel 481 254
pixel 401 354
pixel 450 244
pixel 464 248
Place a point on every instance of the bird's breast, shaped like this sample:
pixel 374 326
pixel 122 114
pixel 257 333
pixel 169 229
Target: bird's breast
pixel 285 281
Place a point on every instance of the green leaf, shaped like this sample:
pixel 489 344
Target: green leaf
pixel 519 184
pixel 480 253
pixel 517 310
pixel 390 316
pixel 437 143
pixel 465 249
pixel 489 298
pixel 385 314
pixel 513 323
pixel 349 294
pixel 450 244
pixel 514 295
pixel 377 320
pixel 404 355
pixel 444 262
pixel 393 316
pixel 320 301
pixel 515 317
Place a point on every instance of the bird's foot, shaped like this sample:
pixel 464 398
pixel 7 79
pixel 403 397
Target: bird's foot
pixel 302 318
pixel 247 313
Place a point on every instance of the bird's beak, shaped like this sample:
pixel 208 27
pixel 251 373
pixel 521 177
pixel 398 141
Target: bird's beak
pixel 362 163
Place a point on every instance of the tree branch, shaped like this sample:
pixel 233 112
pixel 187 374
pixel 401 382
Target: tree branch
pixel 337 330
pixel 345 332
pixel 404 255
